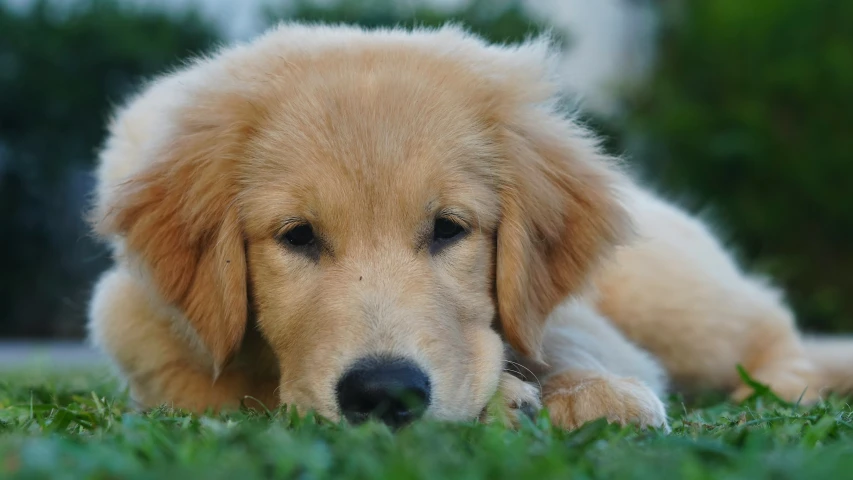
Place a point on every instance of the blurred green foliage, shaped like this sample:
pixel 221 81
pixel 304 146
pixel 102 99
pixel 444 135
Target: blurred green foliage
pixel 500 21
pixel 60 71
pixel 750 112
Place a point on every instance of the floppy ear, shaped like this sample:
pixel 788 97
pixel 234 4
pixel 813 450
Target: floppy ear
pixel 560 218
pixel 177 217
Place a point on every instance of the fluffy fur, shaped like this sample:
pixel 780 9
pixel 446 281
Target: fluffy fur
pixel 599 288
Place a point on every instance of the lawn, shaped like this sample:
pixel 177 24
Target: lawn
pixel 79 426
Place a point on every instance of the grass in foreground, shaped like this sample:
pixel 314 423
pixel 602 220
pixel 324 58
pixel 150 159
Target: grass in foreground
pixel 79 426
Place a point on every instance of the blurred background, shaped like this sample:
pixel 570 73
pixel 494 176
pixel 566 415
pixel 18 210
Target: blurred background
pixel 740 110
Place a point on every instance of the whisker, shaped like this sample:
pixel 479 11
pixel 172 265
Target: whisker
pixel 529 370
pixel 516 372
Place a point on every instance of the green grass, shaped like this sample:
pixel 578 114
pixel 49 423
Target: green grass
pixel 79 426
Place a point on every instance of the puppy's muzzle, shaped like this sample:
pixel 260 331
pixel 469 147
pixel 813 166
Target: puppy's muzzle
pixel 393 390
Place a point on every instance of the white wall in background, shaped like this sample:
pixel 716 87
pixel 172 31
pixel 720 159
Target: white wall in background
pixel 612 44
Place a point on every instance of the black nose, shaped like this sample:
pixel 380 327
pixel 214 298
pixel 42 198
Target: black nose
pixel 393 390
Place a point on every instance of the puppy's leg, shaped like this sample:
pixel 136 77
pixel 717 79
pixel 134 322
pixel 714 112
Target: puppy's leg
pixel 596 373
pixel 159 364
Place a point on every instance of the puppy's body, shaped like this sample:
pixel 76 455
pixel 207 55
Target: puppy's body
pixel 435 189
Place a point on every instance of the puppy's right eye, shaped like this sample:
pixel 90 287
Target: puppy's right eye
pixel 299 236
pixel 446 229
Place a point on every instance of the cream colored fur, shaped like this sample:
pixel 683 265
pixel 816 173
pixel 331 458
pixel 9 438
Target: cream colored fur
pixel 368 136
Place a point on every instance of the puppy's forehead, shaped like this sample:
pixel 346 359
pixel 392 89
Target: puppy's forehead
pixel 371 141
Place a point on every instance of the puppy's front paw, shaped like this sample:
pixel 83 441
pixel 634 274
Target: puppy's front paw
pixel 573 400
pixel 513 399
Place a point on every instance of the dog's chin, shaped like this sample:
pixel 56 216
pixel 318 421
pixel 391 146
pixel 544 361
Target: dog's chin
pixel 458 410
pixel 467 406
pixel 458 413
pixel 464 413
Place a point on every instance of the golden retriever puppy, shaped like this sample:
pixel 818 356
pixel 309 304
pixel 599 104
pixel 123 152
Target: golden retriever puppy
pixel 385 223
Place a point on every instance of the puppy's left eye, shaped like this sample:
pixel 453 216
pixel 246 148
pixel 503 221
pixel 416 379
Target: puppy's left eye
pixel 445 231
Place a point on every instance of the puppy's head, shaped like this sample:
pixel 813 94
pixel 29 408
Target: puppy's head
pixel 389 205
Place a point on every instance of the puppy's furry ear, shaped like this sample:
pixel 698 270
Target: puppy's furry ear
pixel 560 217
pixel 177 218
